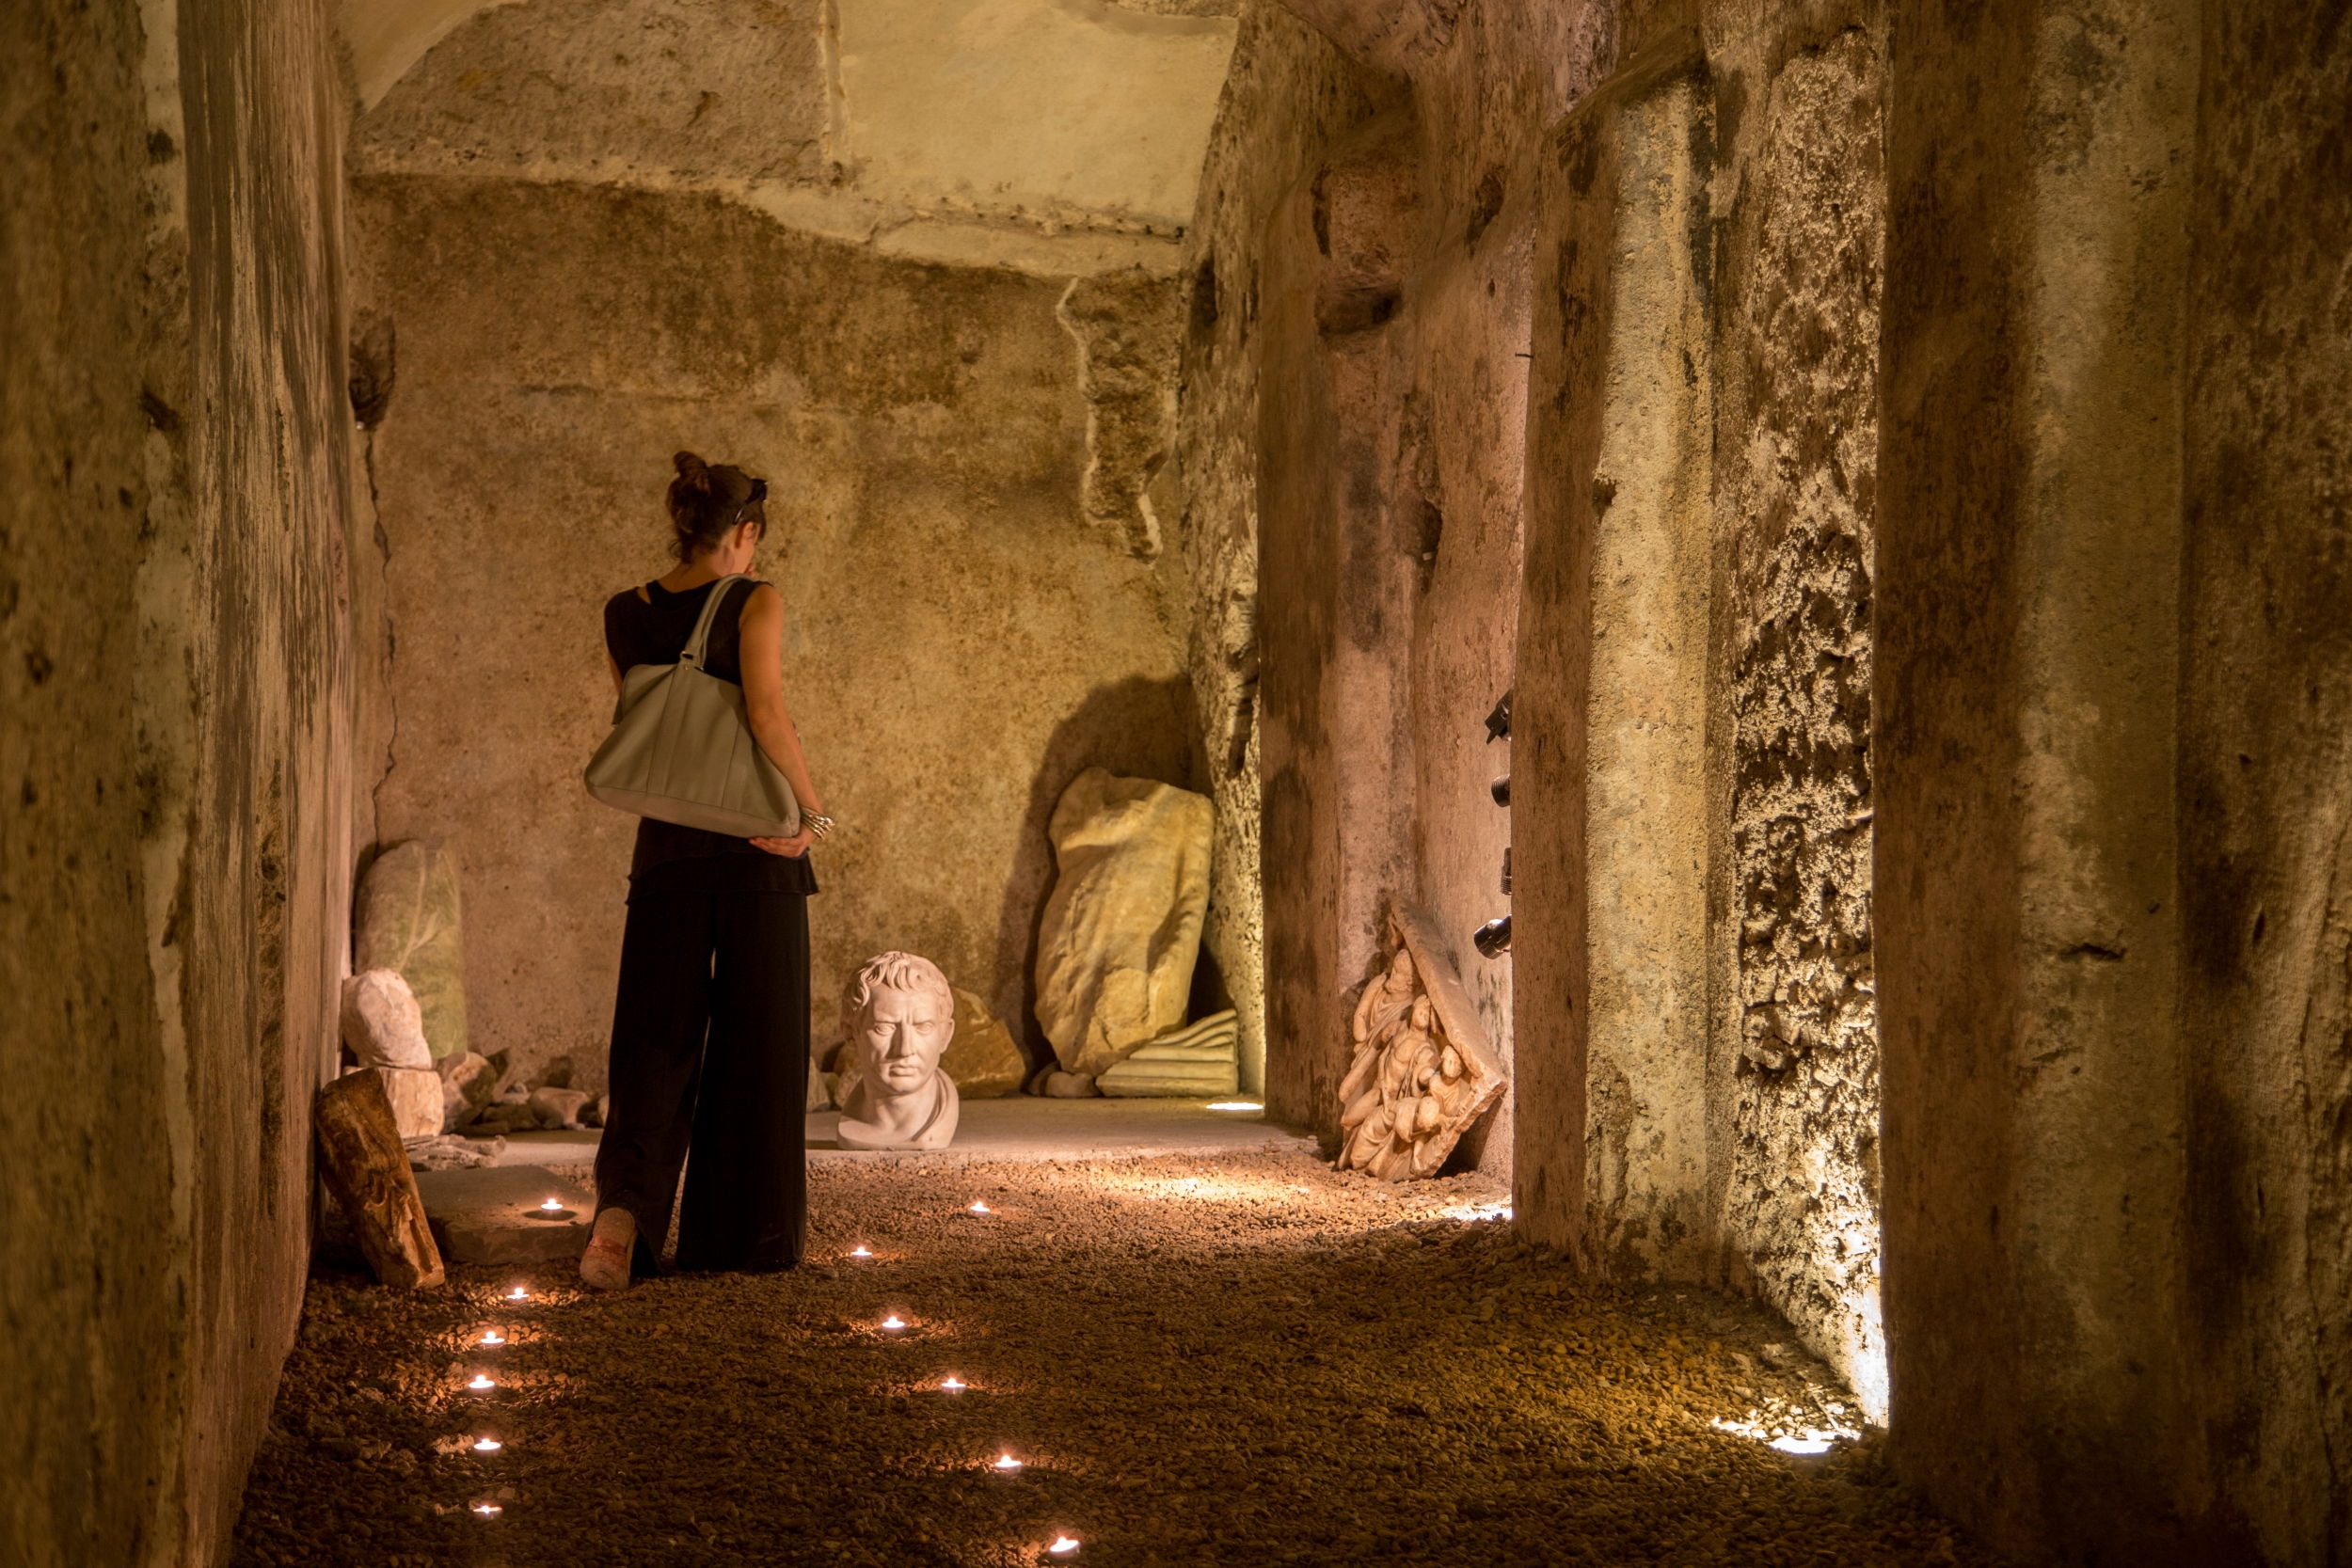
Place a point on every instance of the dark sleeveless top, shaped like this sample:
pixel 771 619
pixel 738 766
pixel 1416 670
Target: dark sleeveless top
pixel 669 856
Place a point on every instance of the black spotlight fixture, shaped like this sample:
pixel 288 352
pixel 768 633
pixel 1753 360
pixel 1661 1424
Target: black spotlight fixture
pixel 1498 721
pixel 1493 938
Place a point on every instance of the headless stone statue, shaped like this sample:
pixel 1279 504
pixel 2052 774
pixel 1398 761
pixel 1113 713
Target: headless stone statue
pixel 899 1014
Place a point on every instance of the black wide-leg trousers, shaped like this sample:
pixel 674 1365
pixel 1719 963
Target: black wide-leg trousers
pixel 710 1056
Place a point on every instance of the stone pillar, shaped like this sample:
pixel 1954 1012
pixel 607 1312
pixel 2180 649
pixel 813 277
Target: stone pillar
pixel 2266 781
pixel 1610 799
pixel 1335 744
pixel 2024 709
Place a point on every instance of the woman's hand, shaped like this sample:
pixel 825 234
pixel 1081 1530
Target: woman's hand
pixel 791 849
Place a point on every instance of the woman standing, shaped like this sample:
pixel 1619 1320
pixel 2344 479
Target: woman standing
pixel 711 1027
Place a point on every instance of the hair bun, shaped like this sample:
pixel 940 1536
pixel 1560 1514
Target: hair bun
pixel 692 470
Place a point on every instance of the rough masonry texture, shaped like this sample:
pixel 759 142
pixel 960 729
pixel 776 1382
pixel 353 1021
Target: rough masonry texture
pixel 1797 376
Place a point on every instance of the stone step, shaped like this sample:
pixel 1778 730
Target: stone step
pixel 488 1214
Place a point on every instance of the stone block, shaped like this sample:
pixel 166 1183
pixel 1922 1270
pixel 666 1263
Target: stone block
pixel 366 1169
pixel 383 1028
pixel 488 1214
pixel 407 920
pixel 1121 929
pixel 983 1059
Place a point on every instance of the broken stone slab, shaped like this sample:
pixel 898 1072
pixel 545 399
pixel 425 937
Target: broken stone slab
pixel 445 1153
pixel 382 1027
pixel 1198 1061
pixel 486 1215
pixel 559 1108
pixel 468 1083
pixel 983 1059
pixel 1121 929
pixel 366 1169
pixel 408 920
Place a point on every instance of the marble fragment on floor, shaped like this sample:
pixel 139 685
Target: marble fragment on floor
pixel 1202 1060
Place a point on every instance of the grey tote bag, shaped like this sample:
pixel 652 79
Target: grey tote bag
pixel 682 751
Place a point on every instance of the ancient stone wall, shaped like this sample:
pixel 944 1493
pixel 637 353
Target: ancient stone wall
pixel 175 455
pixel 2265 793
pixel 1289 94
pixel 961 641
pixel 589 234
pixel 1798 265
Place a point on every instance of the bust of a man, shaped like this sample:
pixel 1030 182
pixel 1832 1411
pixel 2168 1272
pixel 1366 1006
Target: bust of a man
pixel 899 1014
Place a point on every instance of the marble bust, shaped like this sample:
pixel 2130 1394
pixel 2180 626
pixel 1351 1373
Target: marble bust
pixel 899 1014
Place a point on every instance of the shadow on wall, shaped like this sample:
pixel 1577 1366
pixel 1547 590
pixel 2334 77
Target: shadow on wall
pixel 1136 727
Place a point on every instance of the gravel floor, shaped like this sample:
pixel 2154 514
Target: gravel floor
pixel 1240 1360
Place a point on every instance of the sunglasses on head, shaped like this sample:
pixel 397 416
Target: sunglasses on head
pixel 759 492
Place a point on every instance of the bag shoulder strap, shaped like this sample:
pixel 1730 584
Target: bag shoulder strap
pixel 692 653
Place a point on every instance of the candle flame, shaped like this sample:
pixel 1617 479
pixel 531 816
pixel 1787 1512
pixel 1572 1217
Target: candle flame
pixel 979 1207
pixel 1006 1462
pixel 488 1445
pixel 518 1293
pixel 861 1250
pixel 488 1511
pixel 1063 1546
pixel 552 1206
pixel 480 1381
pixel 894 1321
pixel 494 1337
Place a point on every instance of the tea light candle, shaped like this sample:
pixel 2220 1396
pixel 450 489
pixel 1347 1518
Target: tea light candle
pixel 518 1293
pixel 551 1209
pixel 1064 1549
pixel 493 1338
pixel 488 1511
pixel 480 1382
pixel 1006 1466
pixel 952 1384
pixel 488 1445
pixel 861 1250
pixel 979 1207
pixel 893 1323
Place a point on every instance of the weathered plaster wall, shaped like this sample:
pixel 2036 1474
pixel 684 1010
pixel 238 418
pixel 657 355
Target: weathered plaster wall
pixel 962 638
pixel 1801 194
pixel 172 481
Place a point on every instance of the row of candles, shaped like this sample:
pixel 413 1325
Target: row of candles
pixel 1063 1547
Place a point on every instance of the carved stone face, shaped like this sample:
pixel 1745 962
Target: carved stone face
pixel 902 1034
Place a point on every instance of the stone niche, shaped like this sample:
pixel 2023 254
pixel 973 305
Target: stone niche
pixel 1422 1071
